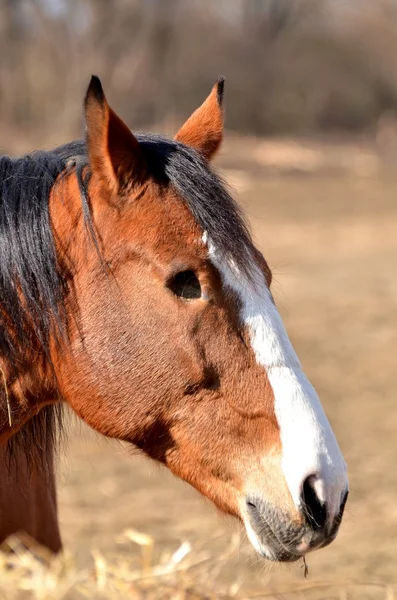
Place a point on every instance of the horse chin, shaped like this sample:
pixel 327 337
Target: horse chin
pixel 273 554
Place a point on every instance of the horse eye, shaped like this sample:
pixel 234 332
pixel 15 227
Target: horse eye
pixel 185 285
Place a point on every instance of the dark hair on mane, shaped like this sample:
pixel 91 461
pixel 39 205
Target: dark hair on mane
pixel 32 288
pixel 205 194
pixel 31 285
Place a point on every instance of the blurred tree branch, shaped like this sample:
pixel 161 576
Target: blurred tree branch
pixel 292 65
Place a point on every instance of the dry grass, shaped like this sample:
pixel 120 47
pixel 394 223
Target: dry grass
pixel 27 571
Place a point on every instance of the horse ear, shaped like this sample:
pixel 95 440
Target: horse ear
pixel 114 152
pixel 204 129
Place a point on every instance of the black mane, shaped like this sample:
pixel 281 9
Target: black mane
pixel 205 194
pixel 31 285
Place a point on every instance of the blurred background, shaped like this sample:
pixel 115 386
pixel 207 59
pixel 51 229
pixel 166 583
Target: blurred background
pixel 311 153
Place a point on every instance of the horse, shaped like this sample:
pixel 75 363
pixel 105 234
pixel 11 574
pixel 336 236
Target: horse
pixel 131 291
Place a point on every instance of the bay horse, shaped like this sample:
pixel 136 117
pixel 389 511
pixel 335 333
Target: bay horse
pixel 131 290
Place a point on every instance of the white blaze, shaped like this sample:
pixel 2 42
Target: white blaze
pixel 309 446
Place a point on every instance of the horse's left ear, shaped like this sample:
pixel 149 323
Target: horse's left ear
pixel 114 152
pixel 204 129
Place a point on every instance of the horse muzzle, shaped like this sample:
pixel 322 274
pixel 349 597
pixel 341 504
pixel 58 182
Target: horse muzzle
pixel 279 538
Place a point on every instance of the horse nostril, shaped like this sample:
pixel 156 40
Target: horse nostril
pixel 338 519
pixel 314 510
pixel 345 496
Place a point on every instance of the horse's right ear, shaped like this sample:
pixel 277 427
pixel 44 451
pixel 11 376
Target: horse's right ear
pixel 114 152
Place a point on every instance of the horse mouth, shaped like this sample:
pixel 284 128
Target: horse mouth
pixel 275 537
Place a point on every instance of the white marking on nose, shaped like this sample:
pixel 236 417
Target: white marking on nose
pixel 309 447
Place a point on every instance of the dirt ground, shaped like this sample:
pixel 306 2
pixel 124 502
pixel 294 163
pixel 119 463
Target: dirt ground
pixel 331 237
